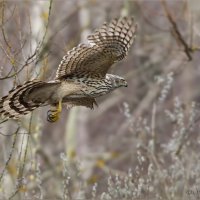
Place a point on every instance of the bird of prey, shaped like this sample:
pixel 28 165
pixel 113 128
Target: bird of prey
pixel 81 76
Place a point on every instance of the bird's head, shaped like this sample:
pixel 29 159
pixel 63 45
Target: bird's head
pixel 117 81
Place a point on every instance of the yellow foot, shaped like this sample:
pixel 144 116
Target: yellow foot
pixel 54 115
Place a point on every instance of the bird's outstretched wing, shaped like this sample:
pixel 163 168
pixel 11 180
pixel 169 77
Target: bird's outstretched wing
pixel 25 98
pixel 107 45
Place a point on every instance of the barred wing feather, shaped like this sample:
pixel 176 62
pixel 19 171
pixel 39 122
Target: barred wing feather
pixel 107 45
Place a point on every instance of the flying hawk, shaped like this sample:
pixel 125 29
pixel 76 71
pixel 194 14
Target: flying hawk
pixel 81 76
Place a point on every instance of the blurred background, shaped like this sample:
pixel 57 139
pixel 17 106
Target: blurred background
pixel 141 142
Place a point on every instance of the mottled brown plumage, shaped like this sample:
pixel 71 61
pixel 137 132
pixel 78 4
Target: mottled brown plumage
pixel 81 76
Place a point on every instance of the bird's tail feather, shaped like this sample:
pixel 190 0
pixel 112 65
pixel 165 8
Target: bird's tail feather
pixel 25 98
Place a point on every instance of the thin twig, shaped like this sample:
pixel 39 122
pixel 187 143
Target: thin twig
pixel 176 31
pixel 21 168
pixel 153 132
pixel 36 54
pixel 10 154
pixel 2 27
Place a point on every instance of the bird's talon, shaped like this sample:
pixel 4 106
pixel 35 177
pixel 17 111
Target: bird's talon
pixel 52 116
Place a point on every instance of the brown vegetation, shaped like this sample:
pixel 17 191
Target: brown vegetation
pixel 142 142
